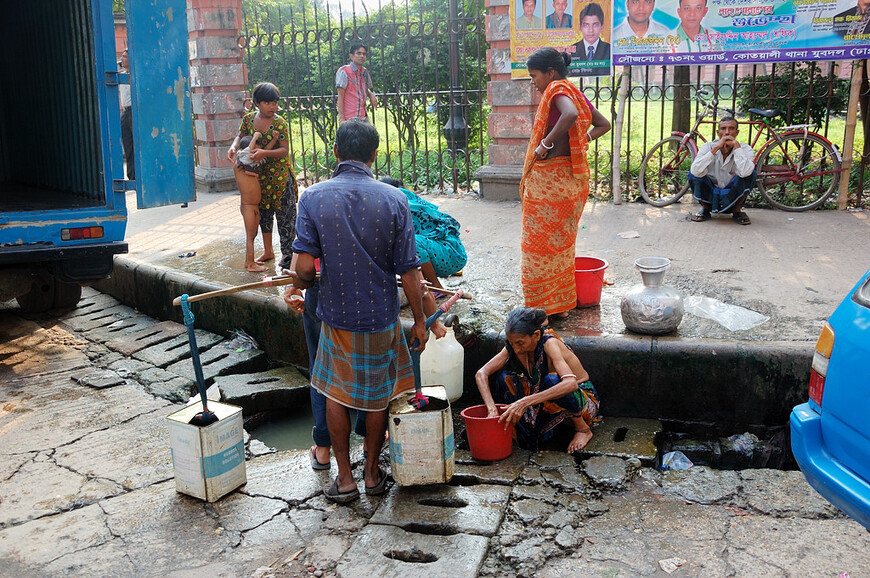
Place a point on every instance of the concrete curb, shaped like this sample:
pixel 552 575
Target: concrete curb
pixel 738 383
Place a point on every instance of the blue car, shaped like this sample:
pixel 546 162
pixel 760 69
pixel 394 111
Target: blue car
pixel 830 434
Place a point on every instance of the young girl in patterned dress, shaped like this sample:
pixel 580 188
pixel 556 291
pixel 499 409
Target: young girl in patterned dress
pixel 274 190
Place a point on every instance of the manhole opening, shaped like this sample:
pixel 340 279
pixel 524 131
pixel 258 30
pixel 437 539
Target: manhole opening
pixel 413 556
pixel 619 434
pixel 443 502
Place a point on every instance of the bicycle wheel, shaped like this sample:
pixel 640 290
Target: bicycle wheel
pixel 664 172
pixel 785 186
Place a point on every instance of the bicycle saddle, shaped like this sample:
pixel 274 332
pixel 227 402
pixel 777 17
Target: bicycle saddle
pixel 765 113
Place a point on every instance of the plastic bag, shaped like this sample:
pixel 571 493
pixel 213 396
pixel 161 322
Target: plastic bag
pixel 676 461
pixel 241 341
pixel 731 317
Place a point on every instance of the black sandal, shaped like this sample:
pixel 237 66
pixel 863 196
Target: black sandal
pixel 741 218
pixel 701 216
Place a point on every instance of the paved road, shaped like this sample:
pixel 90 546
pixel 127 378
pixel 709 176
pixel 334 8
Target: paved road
pixel 86 488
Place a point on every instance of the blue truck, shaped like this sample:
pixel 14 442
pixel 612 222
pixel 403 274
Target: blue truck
pixel 63 196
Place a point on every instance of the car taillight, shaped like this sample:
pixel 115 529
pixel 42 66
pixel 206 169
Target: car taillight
pixel 821 358
pixel 81 233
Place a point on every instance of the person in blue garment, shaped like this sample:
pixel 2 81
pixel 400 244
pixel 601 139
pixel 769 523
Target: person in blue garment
pixel 439 247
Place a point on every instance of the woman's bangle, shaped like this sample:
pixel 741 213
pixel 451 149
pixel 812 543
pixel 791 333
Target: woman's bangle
pixel 589 137
pixel 547 147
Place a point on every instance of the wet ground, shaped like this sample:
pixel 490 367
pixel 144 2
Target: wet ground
pixel 792 267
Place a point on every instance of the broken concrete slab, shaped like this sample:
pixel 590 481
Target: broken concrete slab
pixel 219 360
pixel 503 472
pixel 387 551
pixel 286 476
pixel 42 488
pixel 783 494
pixel 611 473
pixel 701 484
pixel 38 542
pixel 133 454
pixel 101 379
pixel 170 351
pixel 136 341
pixel 445 510
pixel 531 511
pixel 282 387
pixel 624 437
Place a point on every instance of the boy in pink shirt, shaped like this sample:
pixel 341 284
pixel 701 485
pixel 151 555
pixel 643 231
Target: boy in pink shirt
pixel 354 84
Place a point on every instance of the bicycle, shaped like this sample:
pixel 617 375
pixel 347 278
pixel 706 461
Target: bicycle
pixel 797 168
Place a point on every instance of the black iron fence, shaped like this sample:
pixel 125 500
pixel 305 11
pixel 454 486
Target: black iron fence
pixel 427 60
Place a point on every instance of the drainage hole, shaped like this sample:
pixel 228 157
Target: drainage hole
pixel 619 434
pixel 414 556
pixel 431 529
pixel 258 380
pixel 446 502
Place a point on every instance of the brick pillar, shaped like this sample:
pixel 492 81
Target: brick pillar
pixel 513 108
pixel 217 83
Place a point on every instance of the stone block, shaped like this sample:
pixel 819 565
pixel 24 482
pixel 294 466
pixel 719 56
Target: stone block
pixel 610 473
pixel 168 352
pixel 511 125
pixel 120 328
pixel 146 337
pixel 208 47
pixel 445 510
pixel 512 93
pixel 227 102
pixel 500 154
pixel 498 61
pixel 499 27
pixel 389 551
pixel 227 17
pixel 99 318
pixel 499 183
pixel 503 472
pixel 276 389
pixel 221 360
pixel 214 179
pixel 216 75
pixel 625 437
pixel 216 130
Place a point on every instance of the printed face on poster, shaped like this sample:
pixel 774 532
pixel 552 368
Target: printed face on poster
pixel 582 28
pixel 739 31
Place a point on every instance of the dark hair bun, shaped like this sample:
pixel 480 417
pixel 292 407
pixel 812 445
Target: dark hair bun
pixel 566 57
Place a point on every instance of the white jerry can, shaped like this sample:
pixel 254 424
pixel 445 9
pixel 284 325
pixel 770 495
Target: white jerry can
pixel 443 363
pixel 209 462
pixel 421 442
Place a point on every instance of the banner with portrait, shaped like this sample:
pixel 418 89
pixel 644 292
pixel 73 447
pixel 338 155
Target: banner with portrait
pixel 739 31
pixel 579 27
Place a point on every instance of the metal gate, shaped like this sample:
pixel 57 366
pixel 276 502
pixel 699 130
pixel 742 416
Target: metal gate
pixel 428 65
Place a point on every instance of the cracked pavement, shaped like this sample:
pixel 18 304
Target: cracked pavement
pixel 87 489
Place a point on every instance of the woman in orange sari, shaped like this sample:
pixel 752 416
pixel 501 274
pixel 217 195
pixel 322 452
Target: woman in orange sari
pixel 555 183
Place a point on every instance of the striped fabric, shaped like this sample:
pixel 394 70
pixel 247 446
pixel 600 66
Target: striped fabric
pixel 363 370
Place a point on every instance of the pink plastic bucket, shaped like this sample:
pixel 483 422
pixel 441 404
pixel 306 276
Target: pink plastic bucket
pixel 487 438
pixel 589 277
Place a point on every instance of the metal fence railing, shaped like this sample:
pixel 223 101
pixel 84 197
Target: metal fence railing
pixel 427 61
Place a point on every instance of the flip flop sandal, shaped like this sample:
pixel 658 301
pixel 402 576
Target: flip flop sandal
pixel 380 487
pixel 333 494
pixel 741 218
pixel 700 216
pixel 315 463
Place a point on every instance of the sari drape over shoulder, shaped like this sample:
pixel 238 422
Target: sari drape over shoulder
pixel 553 193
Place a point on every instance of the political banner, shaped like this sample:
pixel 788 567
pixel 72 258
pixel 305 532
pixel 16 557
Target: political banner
pixel 648 32
pixel 581 28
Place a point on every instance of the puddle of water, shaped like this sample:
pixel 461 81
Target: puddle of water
pixel 293 431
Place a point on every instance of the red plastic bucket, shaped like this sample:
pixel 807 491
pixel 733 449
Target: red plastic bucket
pixel 487 438
pixel 589 277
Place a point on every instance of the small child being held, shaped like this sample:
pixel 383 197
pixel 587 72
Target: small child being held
pixel 247 145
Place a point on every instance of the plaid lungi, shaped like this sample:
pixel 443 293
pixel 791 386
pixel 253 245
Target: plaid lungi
pixel 363 370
